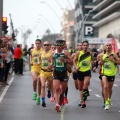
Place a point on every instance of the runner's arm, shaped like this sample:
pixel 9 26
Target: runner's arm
pixel 75 60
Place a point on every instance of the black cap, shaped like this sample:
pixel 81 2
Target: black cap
pixel 60 41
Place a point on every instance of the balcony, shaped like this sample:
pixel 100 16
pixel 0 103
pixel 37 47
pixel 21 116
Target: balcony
pixel 107 10
pixel 107 19
pixel 102 5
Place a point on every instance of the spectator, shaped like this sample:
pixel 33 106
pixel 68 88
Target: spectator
pixel 17 55
pixel 8 60
pixel 21 62
pixel 32 46
pixel 25 51
pixel 94 51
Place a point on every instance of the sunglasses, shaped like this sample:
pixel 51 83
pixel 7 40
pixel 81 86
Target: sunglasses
pixel 46 44
pixel 59 45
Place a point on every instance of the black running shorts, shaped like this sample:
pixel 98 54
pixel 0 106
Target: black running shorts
pixel 60 75
pixel 81 75
pixel 74 75
pixel 110 78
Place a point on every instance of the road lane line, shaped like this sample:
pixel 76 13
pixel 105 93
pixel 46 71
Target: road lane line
pixel 97 95
pixel 63 109
pixel 5 90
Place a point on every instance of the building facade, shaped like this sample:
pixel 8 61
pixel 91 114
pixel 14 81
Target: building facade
pixel 108 18
pixel 68 28
pixel 83 20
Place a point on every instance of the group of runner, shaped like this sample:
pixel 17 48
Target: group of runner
pixel 52 64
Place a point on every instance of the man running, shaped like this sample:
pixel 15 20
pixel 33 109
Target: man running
pixel 79 48
pixel 82 63
pixel 109 60
pixel 45 73
pixel 60 59
pixel 35 65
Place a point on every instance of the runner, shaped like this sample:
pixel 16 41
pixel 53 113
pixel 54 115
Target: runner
pixel 108 61
pixel 100 70
pixel 82 63
pixel 35 69
pixel 79 48
pixel 60 59
pixel 45 73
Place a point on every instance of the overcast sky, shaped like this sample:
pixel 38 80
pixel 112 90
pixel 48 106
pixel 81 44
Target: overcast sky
pixel 32 14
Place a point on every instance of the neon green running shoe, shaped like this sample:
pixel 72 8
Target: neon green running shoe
pixel 38 101
pixel 107 106
pixel 34 96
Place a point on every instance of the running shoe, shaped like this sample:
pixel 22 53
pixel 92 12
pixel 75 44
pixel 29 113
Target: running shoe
pixel 104 104
pixel 107 106
pixel 83 105
pixel 52 99
pixel 79 104
pixel 38 101
pixel 34 96
pixel 43 104
pixel 65 100
pixel 58 108
pixel 49 94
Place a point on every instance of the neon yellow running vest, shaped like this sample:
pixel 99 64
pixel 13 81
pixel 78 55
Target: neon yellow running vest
pixel 44 59
pixel 35 54
pixel 84 65
pixel 108 67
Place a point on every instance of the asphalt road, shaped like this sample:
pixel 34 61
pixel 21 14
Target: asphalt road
pixel 16 102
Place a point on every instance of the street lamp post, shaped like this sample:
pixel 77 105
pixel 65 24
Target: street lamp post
pixel 83 23
pixel 52 10
pixel 48 22
pixel 1 14
pixel 84 19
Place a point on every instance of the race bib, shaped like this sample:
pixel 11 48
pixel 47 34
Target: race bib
pixel 85 63
pixel 59 63
pixel 45 62
pixel 107 66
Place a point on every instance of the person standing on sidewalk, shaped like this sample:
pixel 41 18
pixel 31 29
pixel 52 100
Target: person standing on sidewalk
pixel 9 58
pixel 17 55
pixel 21 62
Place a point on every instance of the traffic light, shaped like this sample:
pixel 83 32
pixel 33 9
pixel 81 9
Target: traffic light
pixel 13 36
pixel 4 25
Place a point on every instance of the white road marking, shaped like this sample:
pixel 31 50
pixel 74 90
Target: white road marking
pixel 97 95
pixel 115 85
pixel 5 90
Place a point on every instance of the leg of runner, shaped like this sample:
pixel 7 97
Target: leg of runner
pixel 43 81
pixel 39 92
pixel 102 85
pixel 80 87
pixel 34 76
pixel 85 87
pixel 57 89
pixel 65 97
pixel 50 87
pixel 106 91
pixel 110 91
